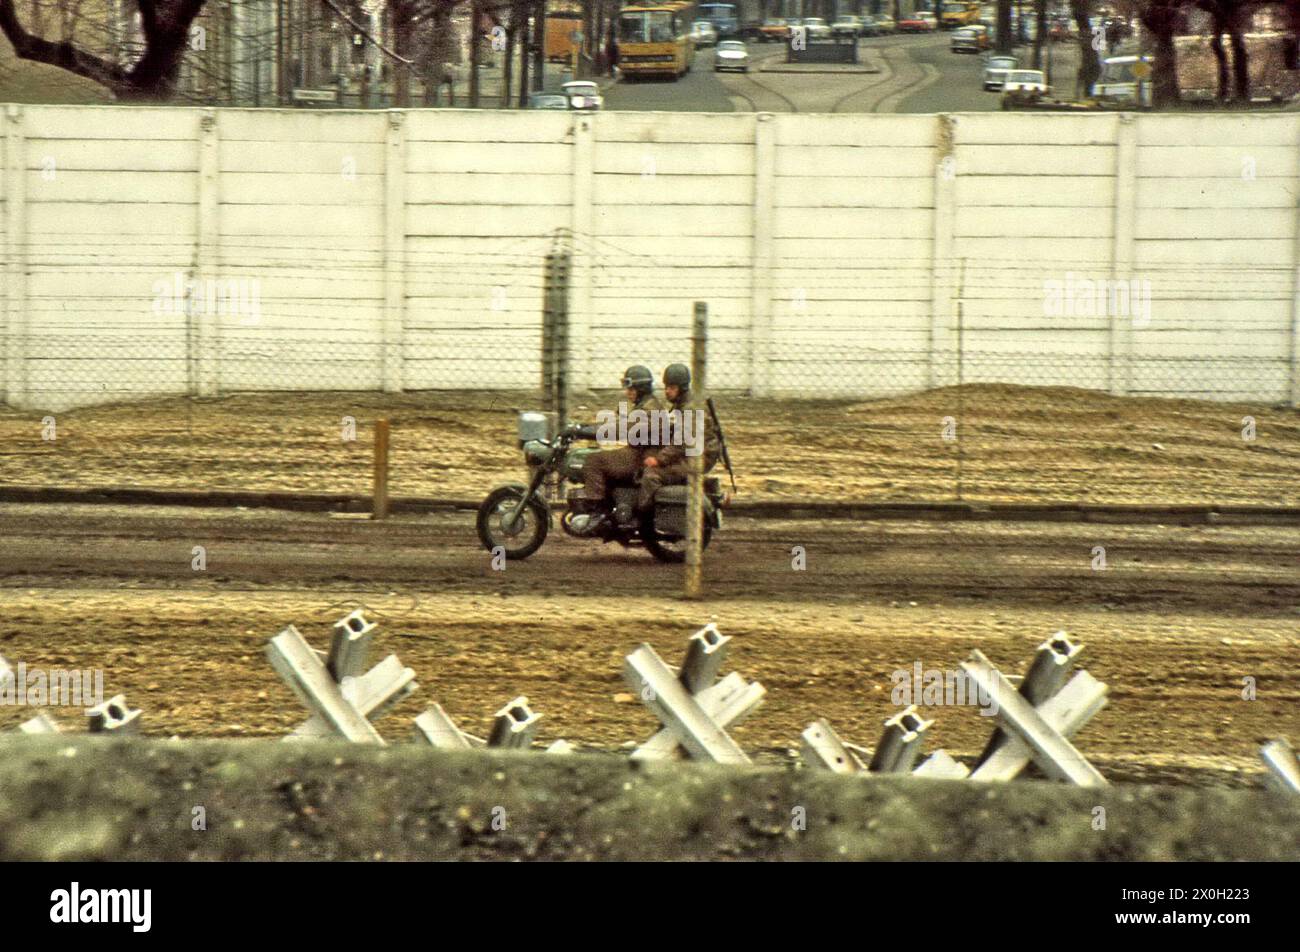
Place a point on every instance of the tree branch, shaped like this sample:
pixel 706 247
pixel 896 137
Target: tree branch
pixel 365 33
pixel 64 55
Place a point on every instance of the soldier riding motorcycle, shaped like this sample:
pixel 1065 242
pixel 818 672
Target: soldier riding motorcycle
pixel 669 465
pixel 516 517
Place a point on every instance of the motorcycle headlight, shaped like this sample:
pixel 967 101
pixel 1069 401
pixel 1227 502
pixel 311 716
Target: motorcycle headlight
pixel 532 427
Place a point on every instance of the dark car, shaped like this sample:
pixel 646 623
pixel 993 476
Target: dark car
pixel 547 101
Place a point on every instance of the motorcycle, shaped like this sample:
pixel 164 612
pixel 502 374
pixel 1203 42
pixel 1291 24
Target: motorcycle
pixel 517 517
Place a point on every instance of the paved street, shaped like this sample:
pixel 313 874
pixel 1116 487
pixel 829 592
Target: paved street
pixel 915 74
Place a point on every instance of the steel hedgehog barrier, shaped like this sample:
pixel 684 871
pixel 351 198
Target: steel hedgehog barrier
pixel 1038 714
pixel 111 716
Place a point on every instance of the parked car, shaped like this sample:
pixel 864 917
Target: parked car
pixel 869 26
pixel 996 69
pixel 548 101
pixel 923 22
pixel 731 55
pixel 774 28
pixel 816 28
pixel 970 39
pixel 583 94
pixel 885 24
pixel 847 25
pixel 704 33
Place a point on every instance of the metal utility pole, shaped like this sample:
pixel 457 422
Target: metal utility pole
pixel 695 480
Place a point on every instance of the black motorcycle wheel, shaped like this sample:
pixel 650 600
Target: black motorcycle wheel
pixel 529 532
pixel 665 547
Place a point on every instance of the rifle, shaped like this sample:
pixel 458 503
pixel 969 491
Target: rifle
pixel 722 442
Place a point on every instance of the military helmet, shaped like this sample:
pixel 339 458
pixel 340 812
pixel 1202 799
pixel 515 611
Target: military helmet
pixel 677 375
pixel 639 378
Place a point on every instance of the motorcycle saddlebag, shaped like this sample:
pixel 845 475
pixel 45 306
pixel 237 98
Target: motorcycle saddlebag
pixel 670 510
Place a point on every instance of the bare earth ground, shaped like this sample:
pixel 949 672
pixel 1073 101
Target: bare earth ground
pixel 1016 444
pixel 1173 624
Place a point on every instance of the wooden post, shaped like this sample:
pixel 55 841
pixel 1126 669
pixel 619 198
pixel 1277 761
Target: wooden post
pixel 695 480
pixel 1119 367
pixel 555 334
pixel 1294 390
pixel 380 510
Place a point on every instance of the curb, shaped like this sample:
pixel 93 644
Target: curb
pixel 1135 514
pixel 847 70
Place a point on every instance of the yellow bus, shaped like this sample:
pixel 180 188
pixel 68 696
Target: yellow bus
pixel 654 39
pixel 561 28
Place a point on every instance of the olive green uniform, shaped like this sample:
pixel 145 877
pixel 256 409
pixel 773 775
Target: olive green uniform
pixel 600 469
pixel 674 465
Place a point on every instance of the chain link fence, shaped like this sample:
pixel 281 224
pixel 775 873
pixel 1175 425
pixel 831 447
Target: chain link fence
pixel 980 442
pixel 269 379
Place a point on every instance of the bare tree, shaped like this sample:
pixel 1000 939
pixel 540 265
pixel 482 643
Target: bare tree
pixel 1040 31
pixel 1089 62
pixel 1233 18
pixel 1161 18
pixel 165 25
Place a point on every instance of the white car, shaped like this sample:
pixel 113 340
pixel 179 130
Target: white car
pixel 1024 81
pixel 731 54
pixel 815 28
pixel 583 95
pixel 995 71
pixel 704 33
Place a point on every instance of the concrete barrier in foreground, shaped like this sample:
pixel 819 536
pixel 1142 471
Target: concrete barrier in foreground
pixel 98 798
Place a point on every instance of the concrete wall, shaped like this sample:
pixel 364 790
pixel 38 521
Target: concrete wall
pixel 119 799
pixel 839 255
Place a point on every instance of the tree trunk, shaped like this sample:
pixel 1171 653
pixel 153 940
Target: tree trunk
pixel 539 54
pixel 1290 43
pixel 1240 57
pixel 1089 64
pixel 1004 44
pixel 1220 62
pixel 401 14
pixel 166 26
pixel 1161 19
pixel 508 62
pixel 527 37
pixel 474 54
pixel 583 68
pixel 1040 33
